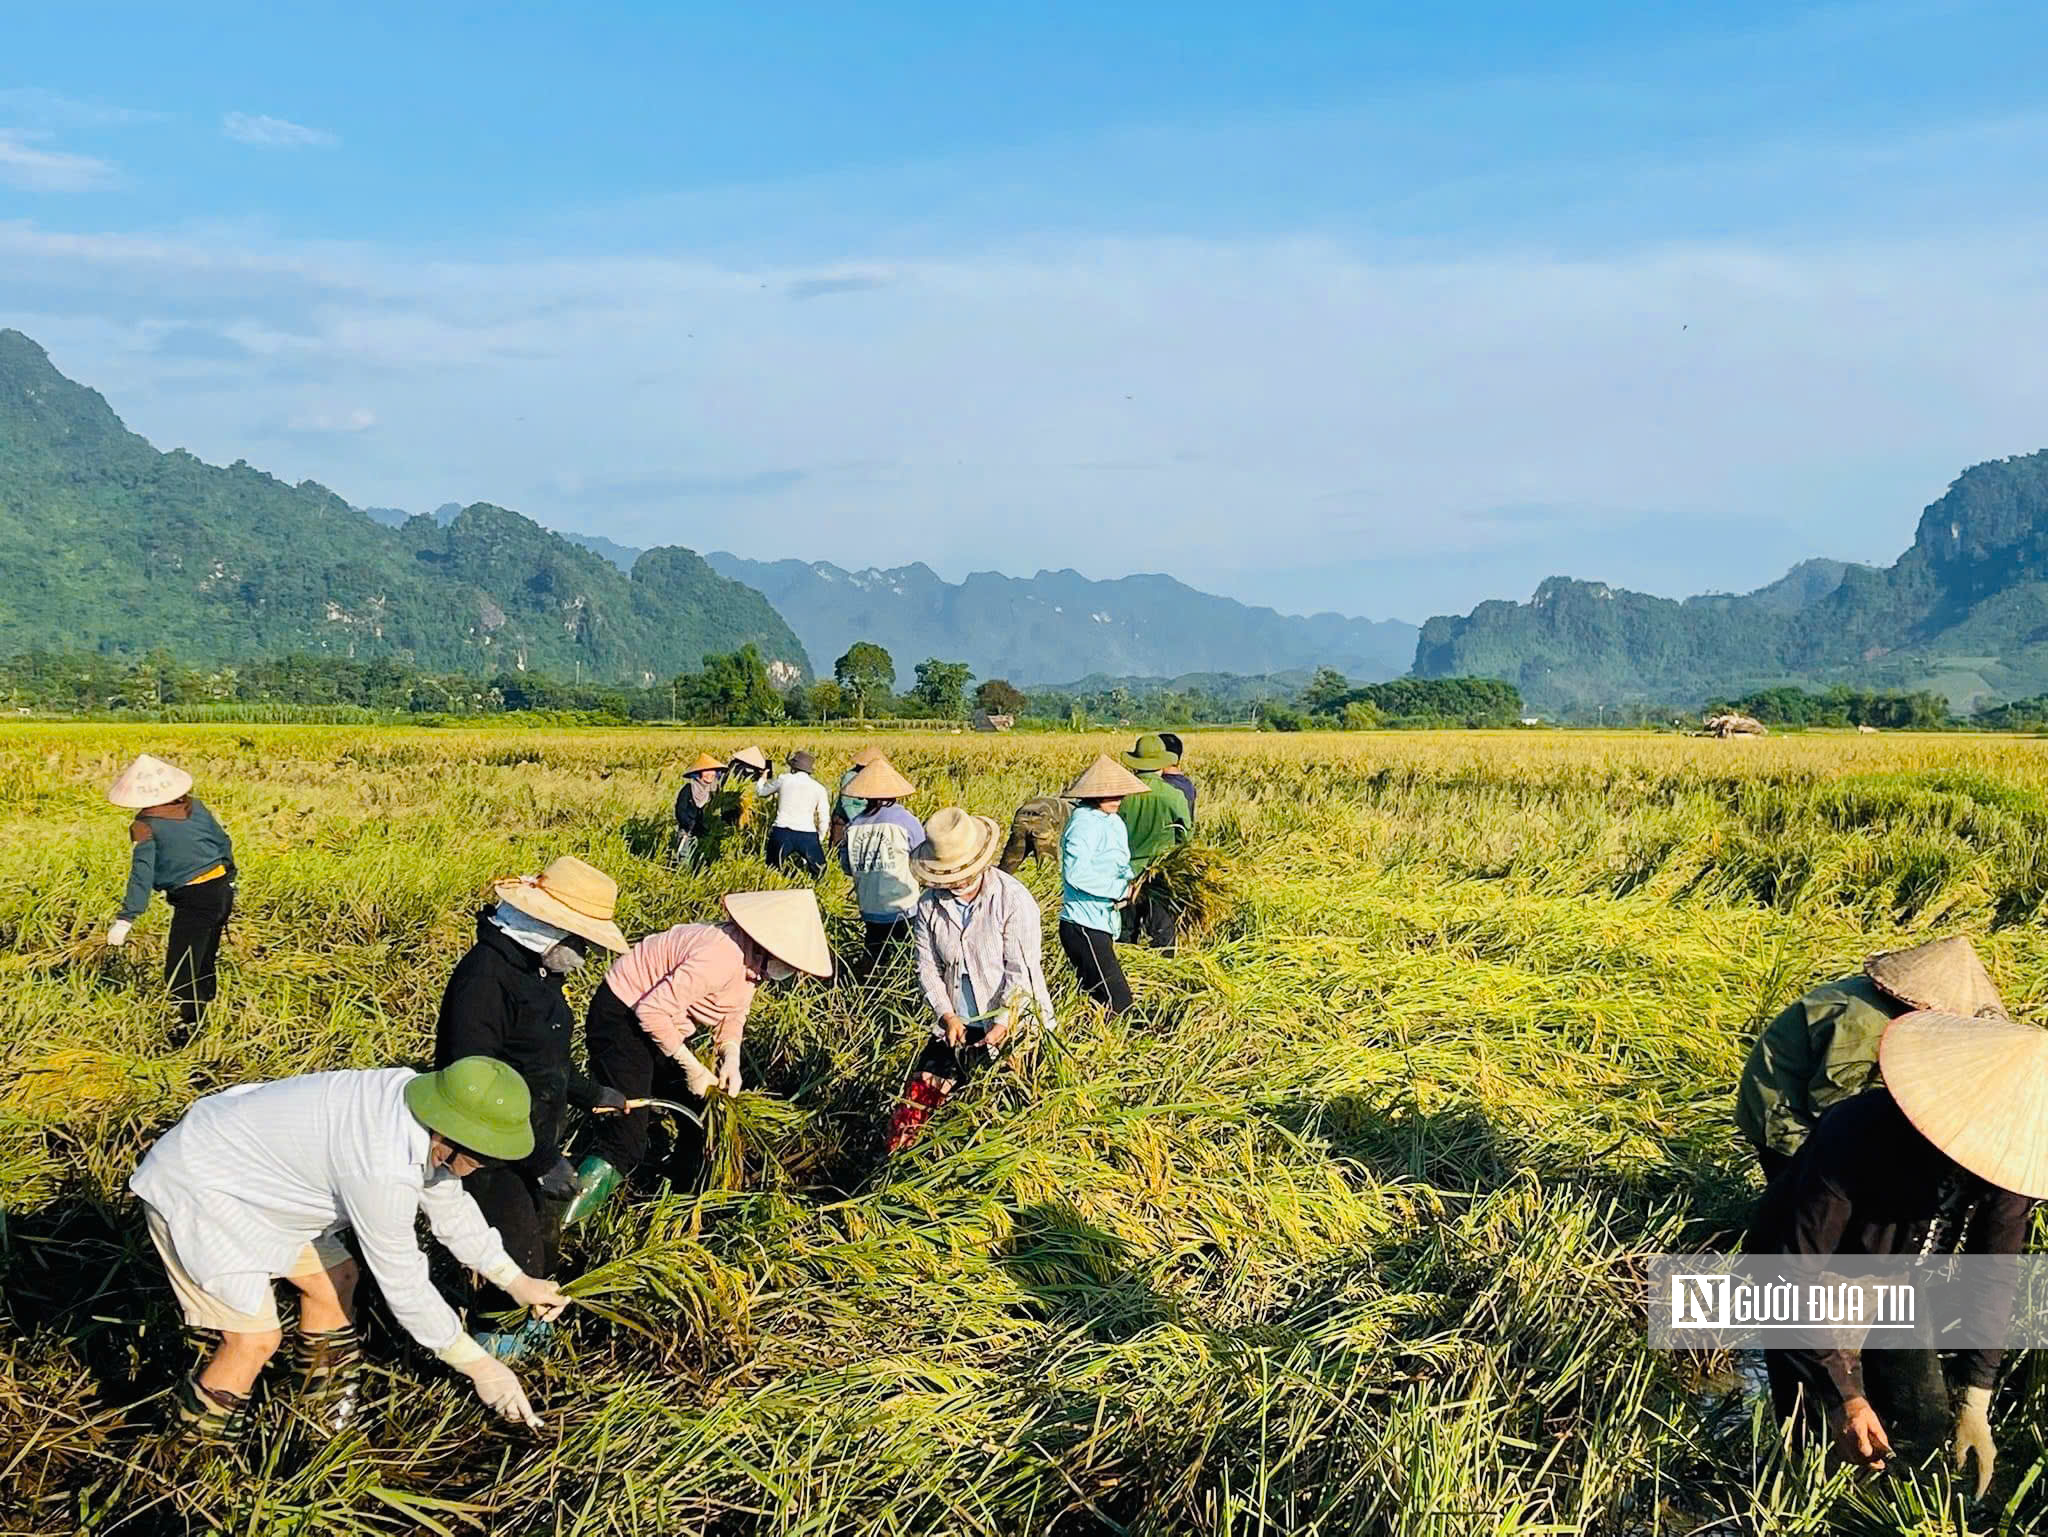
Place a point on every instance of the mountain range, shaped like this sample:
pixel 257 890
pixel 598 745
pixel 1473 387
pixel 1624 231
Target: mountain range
pixel 110 545
pixel 1963 612
pixel 1060 624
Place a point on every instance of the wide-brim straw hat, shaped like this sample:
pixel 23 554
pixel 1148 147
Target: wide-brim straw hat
pixel 570 895
pixel 1977 1089
pixel 704 761
pixel 786 924
pixel 752 757
pixel 957 847
pixel 1150 754
pixel 149 782
pixel 1943 974
pixel 1105 779
pixel 879 781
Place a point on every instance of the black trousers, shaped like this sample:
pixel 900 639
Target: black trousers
pixel 1149 920
pixel 625 1056
pixel 879 944
pixel 1772 1162
pixel 794 846
pixel 199 917
pixel 513 1205
pixel 1093 954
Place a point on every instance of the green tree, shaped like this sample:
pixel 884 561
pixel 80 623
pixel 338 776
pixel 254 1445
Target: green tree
pixel 733 690
pixel 999 696
pixel 1326 692
pixel 941 687
pixel 825 700
pixel 866 675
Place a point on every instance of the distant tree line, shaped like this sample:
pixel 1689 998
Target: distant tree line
pixel 1842 706
pixel 1331 699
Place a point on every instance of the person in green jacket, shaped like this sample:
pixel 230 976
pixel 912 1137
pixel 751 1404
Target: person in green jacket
pixel 1157 822
pixel 180 849
pixel 1822 1049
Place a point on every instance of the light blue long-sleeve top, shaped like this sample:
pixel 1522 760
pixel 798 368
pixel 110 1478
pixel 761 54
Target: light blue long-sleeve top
pixel 1095 867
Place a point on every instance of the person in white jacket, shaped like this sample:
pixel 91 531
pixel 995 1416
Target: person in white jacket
pixel 258 1183
pixel 803 817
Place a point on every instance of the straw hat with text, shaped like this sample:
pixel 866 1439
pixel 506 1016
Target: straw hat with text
pixel 1978 1090
pixel 570 895
pixel 1105 779
pixel 1943 974
pixel 149 782
pixel 786 924
pixel 957 847
pixel 879 781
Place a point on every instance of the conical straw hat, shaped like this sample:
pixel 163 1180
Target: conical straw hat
pixel 704 761
pixel 957 847
pixel 570 895
pixel 752 757
pixel 879 781
pixel 1978 1090
pixel 1105 779
pixel 868 755
pixel 149 782
pixel 786 924
pixel 1943 974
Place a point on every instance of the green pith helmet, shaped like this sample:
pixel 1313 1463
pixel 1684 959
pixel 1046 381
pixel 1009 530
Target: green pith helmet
pixel 1149 755
pixel 479 1103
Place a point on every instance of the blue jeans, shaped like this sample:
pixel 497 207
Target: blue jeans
pixel 793 846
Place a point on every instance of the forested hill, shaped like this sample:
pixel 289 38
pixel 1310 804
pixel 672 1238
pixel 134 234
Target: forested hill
pixel 110 545
pixel 1060 624
pixel 1963 612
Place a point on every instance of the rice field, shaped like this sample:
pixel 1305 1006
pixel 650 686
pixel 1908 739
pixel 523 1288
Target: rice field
pixel 1340 1232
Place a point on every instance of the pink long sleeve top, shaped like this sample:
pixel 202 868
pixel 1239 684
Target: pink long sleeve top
pixel 696 976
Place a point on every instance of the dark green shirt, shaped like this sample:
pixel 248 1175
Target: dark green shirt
pixel 1154 821
pixel 1819 1051
pixel 170 851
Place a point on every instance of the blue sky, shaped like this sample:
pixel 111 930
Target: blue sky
pixel 1382 309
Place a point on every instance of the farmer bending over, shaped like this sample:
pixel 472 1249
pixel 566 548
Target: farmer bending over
pixel 1157 822
pixel 1948 1157
pixel 980 946
pixel 505 1001
pixel 1822 1049
pixel 182 851
pixel 258 1182
pixel 667 988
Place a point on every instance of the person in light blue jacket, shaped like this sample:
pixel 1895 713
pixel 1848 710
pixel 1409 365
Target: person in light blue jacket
pixel 1095 869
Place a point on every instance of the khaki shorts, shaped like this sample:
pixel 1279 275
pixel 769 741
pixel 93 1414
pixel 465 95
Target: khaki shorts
pixel 203 1310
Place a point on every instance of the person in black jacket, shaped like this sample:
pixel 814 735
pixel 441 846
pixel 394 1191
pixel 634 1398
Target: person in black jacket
pixel 505 1000
pixel 1948 1157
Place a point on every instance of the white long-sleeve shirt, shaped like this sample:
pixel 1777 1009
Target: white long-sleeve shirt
pixel 802 804
pixel 252 1175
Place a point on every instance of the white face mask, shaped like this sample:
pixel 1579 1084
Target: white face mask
pixel 778 971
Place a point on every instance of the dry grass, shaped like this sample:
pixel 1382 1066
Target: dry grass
pixel 1339 1233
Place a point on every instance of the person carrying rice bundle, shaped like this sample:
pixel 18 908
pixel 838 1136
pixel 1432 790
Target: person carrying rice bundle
pixel 1096 874
pixel 258 1183
pixel 1157 822
pixel 877 855
pixel 1822 1048
pixel 694 978
pixel 505 1001
pixel 803 817
pixel 1949 1156
pixel 180 849
pixel 980 963
pixel 700 783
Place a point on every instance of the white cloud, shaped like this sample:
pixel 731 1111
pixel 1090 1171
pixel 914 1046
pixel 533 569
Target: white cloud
pixel 35 104
pixel 23 164
pixel 357 420
pixel 274 132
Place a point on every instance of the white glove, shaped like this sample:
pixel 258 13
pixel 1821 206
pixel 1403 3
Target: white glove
pixel 1973 1434
pixel 500 1390
pixel 117 932
pixel 543 1296
pixel 694 1072
pixel 729 1069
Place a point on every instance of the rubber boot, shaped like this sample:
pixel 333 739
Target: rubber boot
pixel 595 1182
pixel 330 1363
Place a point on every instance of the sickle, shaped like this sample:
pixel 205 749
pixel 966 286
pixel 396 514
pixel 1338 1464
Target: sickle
pixel 668 1105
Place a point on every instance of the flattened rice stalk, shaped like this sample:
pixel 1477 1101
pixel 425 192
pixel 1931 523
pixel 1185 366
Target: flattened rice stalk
pixel 748 1128
pixel 1201 881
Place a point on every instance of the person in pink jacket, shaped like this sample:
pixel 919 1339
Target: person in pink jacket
pixel 694 979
